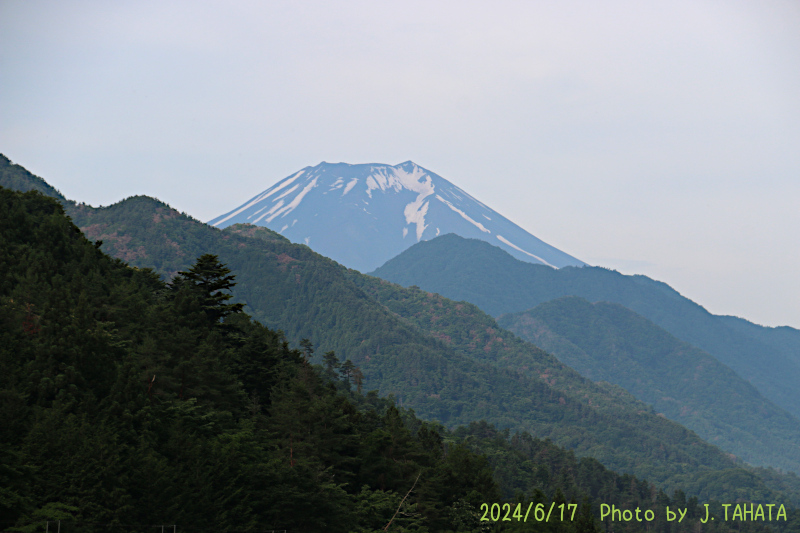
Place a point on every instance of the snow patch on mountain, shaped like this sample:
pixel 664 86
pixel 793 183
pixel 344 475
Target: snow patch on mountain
pixel 287 192
pixel 464 215
pixel 399 179
pixel 350 186
pixel 294 203
pixel 379 206
pixel 272 210
pixel 338 184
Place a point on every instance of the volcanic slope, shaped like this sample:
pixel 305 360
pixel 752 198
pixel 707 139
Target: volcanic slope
pixel 474 271
pixel 363 215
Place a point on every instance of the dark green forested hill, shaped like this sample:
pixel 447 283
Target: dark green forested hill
pixel 608 342
pixel 289 287
pixel 475 271
pixel 129 403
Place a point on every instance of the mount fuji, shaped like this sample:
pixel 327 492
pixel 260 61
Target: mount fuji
pixel 363 215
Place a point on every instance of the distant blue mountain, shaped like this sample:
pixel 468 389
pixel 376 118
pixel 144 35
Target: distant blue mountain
pixel 470 270
pixel 363 215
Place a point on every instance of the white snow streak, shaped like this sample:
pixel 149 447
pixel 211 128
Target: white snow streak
pixel 464 215
pixel 257 212
pixel 371 185
pixel 274 208
pixel 415 214
pixel 294 203
pixel 385 178
pixel 405 232
pixel 263 196
pixel 350 186
pixel 245 206
pixel 277 203
pixel 287 192
pixel 415 211
pixel 398 179
pixel 471 197
pixel 514 246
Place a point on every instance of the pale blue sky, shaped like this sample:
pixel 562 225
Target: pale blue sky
pixel 654 139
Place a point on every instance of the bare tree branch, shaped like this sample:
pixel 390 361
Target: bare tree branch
pixel 401 502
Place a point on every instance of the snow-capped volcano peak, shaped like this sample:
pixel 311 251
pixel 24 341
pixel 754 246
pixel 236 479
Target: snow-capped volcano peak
pixel 363 215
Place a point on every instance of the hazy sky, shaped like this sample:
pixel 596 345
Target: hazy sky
pixel 653 138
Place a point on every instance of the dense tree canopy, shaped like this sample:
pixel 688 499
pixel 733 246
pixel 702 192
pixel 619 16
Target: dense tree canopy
pixel 129 403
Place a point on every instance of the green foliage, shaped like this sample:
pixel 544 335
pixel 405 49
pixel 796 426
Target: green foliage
pixel 208 278
pixel 490 375
pixel 132 401
pixel 198 424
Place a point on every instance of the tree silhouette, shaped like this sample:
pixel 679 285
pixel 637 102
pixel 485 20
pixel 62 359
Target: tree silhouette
pixel 210 279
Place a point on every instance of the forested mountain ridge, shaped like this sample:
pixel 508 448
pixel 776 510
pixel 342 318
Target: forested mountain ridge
pixel 18 178
pixel 474 271
pixel 469 331
pixel 130 402
pixel 289 287
pixel 310 296
pixel 608 342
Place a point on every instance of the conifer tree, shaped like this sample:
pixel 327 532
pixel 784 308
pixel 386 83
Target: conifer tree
pixel 331 364
pixel 210 279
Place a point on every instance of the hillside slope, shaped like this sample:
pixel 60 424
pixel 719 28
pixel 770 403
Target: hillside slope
pixel 289 287
pixel 608 342
pixel 17 178
pixel 474 271
pixel 92 440
pixel 126 400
